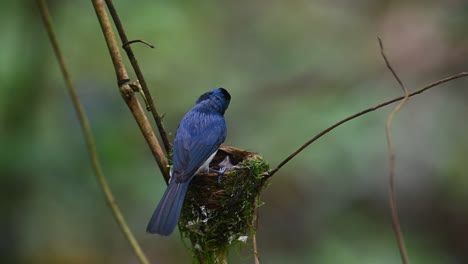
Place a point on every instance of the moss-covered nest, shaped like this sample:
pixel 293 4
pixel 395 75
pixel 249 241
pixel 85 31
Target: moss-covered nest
pixel 219 211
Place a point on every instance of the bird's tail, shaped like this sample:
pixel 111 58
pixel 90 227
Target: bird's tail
pixel 167 214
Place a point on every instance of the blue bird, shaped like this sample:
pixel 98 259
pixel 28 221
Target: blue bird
pixel 198 137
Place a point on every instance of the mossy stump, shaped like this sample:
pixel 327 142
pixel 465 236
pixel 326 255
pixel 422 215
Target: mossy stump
pixel 219 211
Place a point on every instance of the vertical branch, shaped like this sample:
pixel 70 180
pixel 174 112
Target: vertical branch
pixel 88 137
pixel 139 74
pixel 254 239
pixel 393 203
pixel 256 257
pixel 126 91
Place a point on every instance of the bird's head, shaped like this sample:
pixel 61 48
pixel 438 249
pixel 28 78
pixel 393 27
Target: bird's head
pixel 217 99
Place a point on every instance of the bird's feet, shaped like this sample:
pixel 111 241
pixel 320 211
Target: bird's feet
pixel 220 172
pixel 224 166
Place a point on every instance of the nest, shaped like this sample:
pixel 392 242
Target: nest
pixel 219 211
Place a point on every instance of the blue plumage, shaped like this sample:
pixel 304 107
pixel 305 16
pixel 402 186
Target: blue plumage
pixel 198 137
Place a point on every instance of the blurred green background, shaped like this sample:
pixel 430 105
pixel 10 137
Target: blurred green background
pixel 293 68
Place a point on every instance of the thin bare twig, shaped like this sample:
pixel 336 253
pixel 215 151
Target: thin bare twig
pixel 351 117
pixel 88 137
pixel 387 63
pixel 393 203
pixel 127 92
pixel 138 41
pixel 139 74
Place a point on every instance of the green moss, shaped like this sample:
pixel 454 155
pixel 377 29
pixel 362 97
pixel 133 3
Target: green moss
pixel 169 156
pixel 219 215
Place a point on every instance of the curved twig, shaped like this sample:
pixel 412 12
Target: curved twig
pixel 351 117
pixel 88 137
pixel 137 41
pixel 393 204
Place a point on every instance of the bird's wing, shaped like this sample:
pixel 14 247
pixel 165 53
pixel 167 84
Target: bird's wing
pixel 192 147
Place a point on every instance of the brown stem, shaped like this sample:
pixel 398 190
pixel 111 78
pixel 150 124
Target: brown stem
pixel 126 91
pixel 256 257
pixel 351 117
pixel 254 239
pixel 89 138
pixel 393 203
pixel 139 74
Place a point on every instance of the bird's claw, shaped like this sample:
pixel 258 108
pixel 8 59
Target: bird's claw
pixel 220 172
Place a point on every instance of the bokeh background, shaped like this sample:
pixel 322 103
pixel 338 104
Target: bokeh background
pixel 293 68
